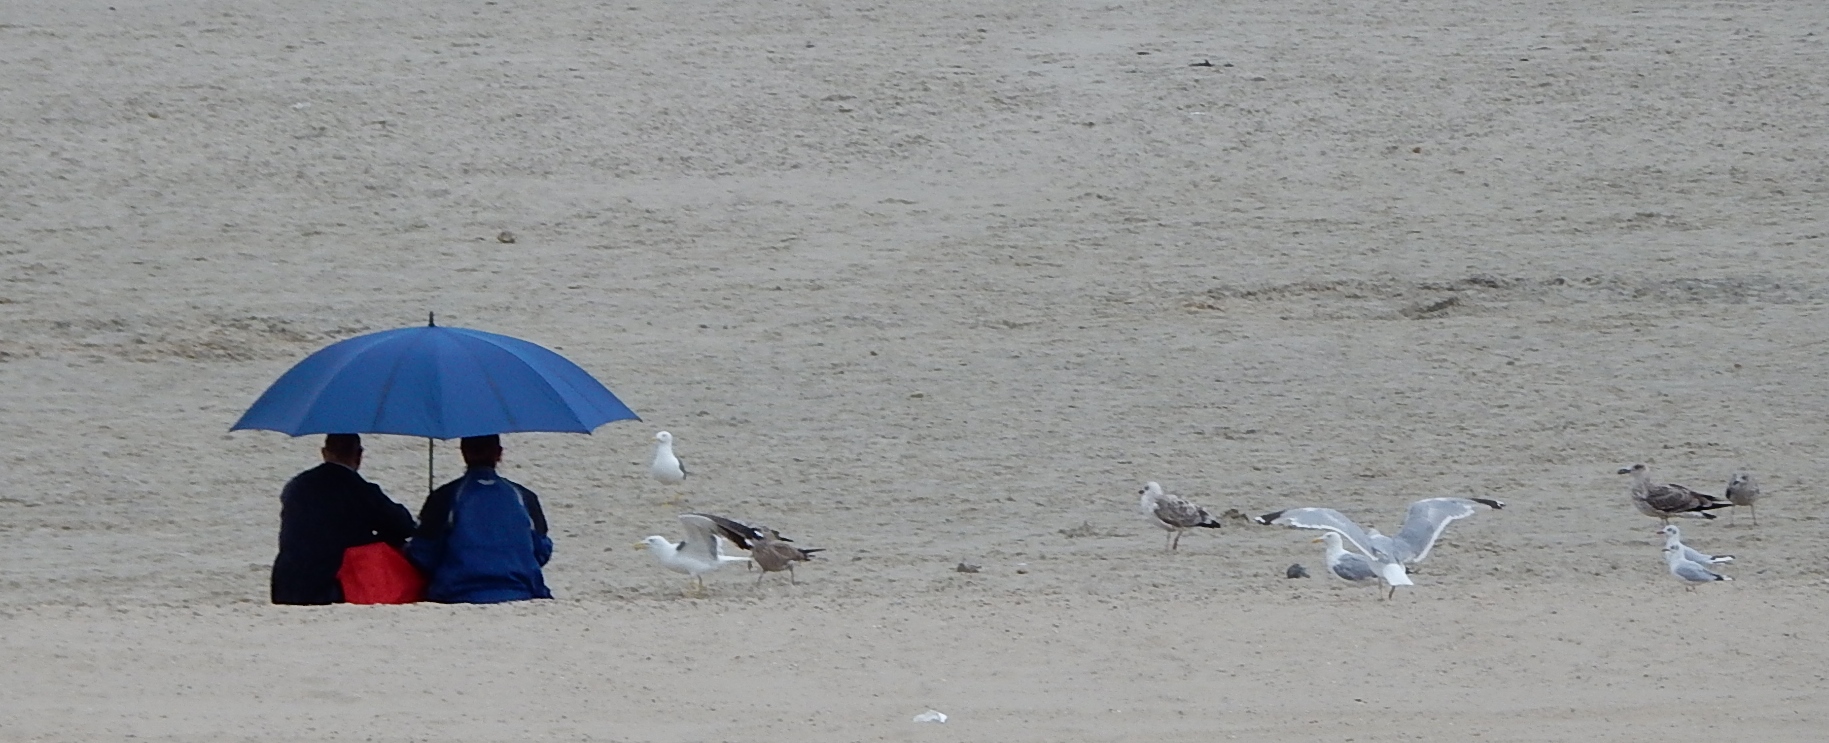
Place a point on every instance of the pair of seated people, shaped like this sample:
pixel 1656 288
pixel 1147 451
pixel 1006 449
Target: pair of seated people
pixel 480 539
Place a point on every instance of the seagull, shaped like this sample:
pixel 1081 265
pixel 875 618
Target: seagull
pixel 1173 512
pixel 1669 500
pixel 1353 567
pixel 1423 525
pixel 773 554
pixel 1687 570
pixel 767 548
pixel 695 555
pixel 1673 538
pixel 666 467
pixel 1743 491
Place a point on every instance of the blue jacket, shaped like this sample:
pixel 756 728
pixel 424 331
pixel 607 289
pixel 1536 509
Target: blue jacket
pixel 482 540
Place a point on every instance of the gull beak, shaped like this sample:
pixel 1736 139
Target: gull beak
pixel 639 545
pixel 1318 539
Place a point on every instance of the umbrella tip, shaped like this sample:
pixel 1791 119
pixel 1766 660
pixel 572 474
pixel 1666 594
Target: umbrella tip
pixel 431 319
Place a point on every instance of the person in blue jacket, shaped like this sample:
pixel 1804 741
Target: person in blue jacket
pixel 482 538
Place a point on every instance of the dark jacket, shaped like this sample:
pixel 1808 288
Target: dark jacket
pixel 323 511
pixel 482 540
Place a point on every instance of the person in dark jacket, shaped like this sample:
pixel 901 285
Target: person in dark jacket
pixel 482 538
pixel 324 511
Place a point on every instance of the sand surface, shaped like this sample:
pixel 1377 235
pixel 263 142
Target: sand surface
pixel 921 283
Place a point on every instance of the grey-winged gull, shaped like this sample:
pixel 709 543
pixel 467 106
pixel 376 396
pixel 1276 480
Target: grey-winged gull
pixel 1356 568
pixel 1173 513
pixel 1673 537
pixel 1668 500
pixel 1423 524
pixel 699 553
pixel 1743 490
pixel 1689 571
pixel 666 467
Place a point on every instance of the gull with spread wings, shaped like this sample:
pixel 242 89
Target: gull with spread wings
pixel 1423 525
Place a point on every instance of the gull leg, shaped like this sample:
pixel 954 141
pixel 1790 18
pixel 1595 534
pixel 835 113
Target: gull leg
pixel 1174 539
pixel 760 577
pixel 790 575
pixel 1754 510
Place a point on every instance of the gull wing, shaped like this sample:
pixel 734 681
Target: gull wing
pixel 740 534
pixel 1323 518
pixel 1674 498
pixel 1175 510
pixel 1691 571
pixel 1428 518
pixel 701 541
pixel 1355 568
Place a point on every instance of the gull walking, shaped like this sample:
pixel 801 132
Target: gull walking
pixel 773 555
pixel 1689 571
pixel 1673 538
pixel 666 467
pixel 1173 512
pixel 1423 524
pixel 1668 500
pixel 767 548
pixel 696 555
pixel 1356 568
pixel 1742 490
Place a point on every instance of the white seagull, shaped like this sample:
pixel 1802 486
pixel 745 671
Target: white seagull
pixel 1689 571
pixel 1673 537
pixel 699 553
pixel 1173 512
pixel 1356 568
pixel 666 467
pixel 1423 525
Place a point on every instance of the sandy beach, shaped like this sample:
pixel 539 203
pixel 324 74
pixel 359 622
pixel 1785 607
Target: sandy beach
pixel 924 283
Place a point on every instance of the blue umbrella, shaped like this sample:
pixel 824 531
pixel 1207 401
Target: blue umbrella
pixel 437 382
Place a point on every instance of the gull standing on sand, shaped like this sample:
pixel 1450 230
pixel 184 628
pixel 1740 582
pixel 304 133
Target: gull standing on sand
pixel 1742 490
pixel 697 554
pixel 1689 571
pixel 666 467
pixel 1173 512
pixel 1356 568
pixel 1423 525
pixel 1673 538
pixel 1668 500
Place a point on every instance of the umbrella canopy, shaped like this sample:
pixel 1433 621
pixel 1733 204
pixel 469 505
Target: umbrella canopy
pixel 437 382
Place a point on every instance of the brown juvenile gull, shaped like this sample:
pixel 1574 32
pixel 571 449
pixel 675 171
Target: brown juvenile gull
pixel 767 548
pixel 1173 512
pixel 1742 490
pixel 1668 500
pixel 1423 524
pixel 774 555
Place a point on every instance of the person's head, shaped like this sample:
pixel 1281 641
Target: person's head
pixel 481 451
pixel 344 449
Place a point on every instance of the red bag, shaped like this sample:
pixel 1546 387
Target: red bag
pixel 379 574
